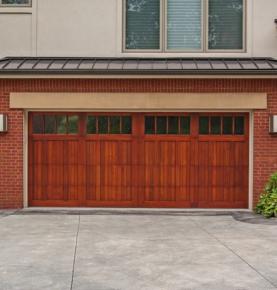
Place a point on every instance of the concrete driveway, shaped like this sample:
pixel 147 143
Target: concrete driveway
pixel 135 251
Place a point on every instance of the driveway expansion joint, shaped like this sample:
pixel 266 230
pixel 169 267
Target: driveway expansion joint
pixel 245 216
pixel 236 254
pixel 75 252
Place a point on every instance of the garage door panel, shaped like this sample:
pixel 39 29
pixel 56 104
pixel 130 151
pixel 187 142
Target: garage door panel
pixel 203 195
pixel 217 176
pixel 92 182
pixel 108 170
pixel 54 172
pixel 183 193
pixel 148 194
pixel 194 176
pixel 151 153
pixel 203 177
pixel 240 195
pixel 61 170
pixel 217 193
pixel 115 170
pixel 92 152
pixel 182 176
pixel 54 152
pixel 203 154
pixel 240 154
pixel 228 179
pixel 228 194
pixel 160 170
pixel 183 153
pixel 167 156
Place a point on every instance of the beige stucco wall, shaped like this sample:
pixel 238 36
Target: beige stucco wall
pixel 15 34
pixel 84 27
pixel 264 31
pixel 138 101
pixel 94 28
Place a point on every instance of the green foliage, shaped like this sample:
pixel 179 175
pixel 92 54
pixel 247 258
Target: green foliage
pixel 267 205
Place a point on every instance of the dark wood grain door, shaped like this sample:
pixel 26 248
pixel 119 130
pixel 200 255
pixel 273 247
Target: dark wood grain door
pixel 138 160
pixel 196 160
pixel 108 147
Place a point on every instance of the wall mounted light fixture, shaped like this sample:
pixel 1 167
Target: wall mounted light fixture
pixel 273 124
pixel 3 123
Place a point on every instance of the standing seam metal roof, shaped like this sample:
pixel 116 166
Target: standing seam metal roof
pixel 125 66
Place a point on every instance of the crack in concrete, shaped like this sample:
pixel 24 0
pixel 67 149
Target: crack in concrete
pixel 236 254
pixel 75 252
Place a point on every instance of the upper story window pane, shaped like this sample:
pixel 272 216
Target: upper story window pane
pixel 184 24
pixel 142 24
pixel 226 24
pixel 15 2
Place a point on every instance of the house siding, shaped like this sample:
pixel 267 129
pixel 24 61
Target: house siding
pixel 11 144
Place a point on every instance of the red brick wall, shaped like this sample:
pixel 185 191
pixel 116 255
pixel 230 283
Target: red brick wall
pixel 265 146
pixel 11 157
pixel 11 144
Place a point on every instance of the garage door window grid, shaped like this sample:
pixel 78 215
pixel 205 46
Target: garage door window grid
pixel 55 124
pixel 109 125
pixel 218 125
pixel 167 125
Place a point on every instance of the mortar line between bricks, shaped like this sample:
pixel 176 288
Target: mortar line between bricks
pixel 75 252
pixel 237 255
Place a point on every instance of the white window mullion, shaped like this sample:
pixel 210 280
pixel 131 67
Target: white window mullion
pixel 206 26
pixel 162 25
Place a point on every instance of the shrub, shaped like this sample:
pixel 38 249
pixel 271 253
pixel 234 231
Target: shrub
pixel 267 205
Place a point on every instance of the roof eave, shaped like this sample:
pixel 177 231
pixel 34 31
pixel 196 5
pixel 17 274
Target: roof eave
pixel 141 72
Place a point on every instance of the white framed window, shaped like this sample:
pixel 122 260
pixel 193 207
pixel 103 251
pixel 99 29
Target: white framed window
pixel 15 3
pixel 184 25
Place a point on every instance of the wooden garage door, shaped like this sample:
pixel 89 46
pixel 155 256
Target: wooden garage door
pixel 138 160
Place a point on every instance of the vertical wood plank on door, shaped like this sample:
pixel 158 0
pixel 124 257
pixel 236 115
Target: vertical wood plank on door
pixel 71 163
pixel 37 158
pixel 92 170
pixel 55 170
pixel 183 169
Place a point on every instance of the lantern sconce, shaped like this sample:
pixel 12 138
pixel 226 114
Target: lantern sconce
pixel 273 124
pixel 3 123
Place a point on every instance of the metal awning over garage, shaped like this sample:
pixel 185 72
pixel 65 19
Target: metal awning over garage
pixel 137 66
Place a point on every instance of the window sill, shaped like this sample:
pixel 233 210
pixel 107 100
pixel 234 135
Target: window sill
pixel 16 10
pixel 221 54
